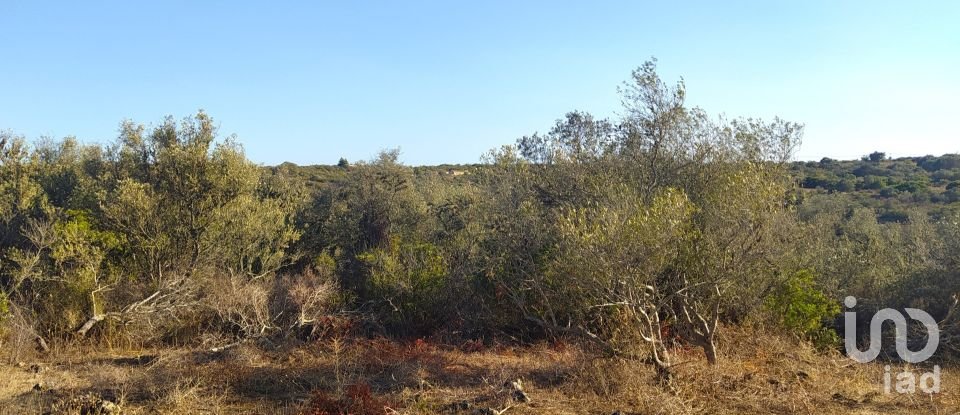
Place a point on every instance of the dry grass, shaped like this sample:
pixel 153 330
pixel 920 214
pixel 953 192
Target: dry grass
pixel 758 374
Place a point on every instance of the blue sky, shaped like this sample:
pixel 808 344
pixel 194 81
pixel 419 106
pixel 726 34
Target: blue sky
pixel 447 81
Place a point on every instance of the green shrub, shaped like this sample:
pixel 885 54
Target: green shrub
pixel 406 282
pixel 4 317
pixel 4 307
pixel 803 309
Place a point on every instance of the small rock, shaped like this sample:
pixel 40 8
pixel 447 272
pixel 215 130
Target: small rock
pixel 42 344
pixel 87 404
pixel 868 398
pixel 456 407
pixel 518 394
pixel 838 397
pixel 107 407
pixel 521 396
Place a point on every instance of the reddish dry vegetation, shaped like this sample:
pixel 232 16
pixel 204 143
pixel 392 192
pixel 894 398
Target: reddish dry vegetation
pixel 757 374
pixel 357 399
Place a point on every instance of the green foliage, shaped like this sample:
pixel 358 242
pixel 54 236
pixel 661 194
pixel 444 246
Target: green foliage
pixel 876 157
pixel 89 231
pixel 407 280
pixel 4 307
pixel 4 315
pixel 662 212
pixel 889 184
pixel 804 310
pixel 602 250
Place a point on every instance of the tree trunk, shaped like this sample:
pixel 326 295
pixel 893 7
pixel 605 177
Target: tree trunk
pixel 93 321
pixel 710 349
pixel 82 331
pixel 705 342
pixel 42 344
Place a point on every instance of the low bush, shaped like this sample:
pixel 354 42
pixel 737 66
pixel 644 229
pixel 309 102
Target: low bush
pixel 804 310
pixel 356 399
pixel 407 280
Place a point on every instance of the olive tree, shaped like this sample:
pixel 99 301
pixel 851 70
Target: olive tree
pixel 192 212
pixel 607 186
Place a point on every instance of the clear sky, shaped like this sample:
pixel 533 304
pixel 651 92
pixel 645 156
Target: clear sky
pixel 448 80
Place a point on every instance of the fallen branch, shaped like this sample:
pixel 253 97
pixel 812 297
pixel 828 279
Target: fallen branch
pixel 227 347
pixel 166 300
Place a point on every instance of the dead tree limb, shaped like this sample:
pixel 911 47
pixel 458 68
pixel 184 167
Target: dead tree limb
pixel 166 301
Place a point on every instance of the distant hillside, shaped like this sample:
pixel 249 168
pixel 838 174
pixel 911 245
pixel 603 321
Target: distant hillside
pixel 892 186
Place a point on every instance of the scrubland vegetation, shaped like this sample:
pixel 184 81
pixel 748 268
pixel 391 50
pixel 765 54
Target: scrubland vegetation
pixel 666 261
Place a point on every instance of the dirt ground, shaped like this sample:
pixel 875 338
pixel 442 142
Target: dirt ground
pixel 360 376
